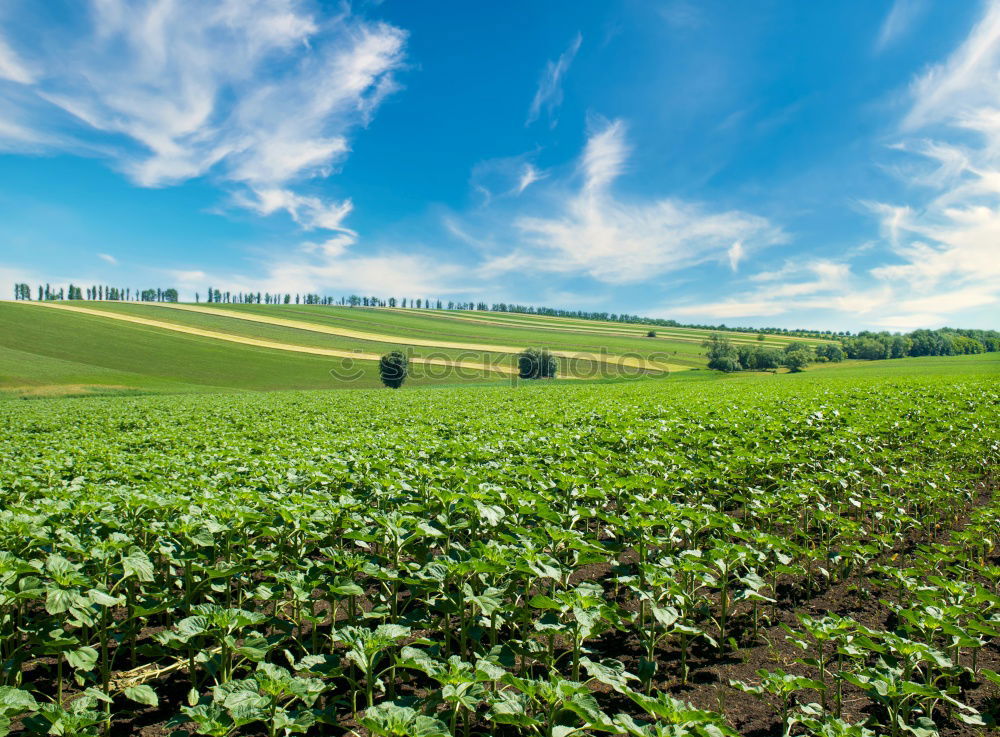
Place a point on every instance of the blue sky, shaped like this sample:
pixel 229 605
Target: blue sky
pixel 828 165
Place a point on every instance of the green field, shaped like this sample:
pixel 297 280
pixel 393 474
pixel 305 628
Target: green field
pixel 50 352
pixel 753 554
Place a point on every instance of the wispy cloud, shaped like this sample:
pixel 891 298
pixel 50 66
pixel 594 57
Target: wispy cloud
pixel 549 95
pixel 816 284
pixel 939 249
pixel 309 212
pixel 735 254
pixel 108 258
pixel 597 234
pixel 900 19
pixel 329 267
pixel 965 86
pixel 262 94
pixel 12 68
pixel 945 242
pixel 529 175
pixel 505 176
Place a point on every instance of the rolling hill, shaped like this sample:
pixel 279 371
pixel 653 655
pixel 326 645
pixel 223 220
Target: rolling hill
pixel 125 347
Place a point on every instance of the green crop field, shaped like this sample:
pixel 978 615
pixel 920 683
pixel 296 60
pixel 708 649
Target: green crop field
pixel 490 369
pixel 705 554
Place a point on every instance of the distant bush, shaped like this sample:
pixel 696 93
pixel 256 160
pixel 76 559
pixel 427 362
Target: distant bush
pixel 651 334
pixel 795 361
pixel 797 356
pixel 536 363
pixel 722 356
pixel 758 358
pixel 829 352
pixel 392 369
pixel 724 363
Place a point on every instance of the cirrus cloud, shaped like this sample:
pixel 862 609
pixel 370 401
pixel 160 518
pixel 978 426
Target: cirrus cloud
pixel 260 94
pixel 613 240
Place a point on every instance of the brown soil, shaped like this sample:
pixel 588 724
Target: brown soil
pixel 860 598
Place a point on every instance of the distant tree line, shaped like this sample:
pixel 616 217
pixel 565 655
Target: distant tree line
pixel 640 320
pixel 96 292
pixel 723 355
pixel 356 300
pixel 943 342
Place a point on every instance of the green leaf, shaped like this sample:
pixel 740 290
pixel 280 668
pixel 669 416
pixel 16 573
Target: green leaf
pixel 540 601
pixel 138 565
pixel 14 701
pixel 58 601
pixel 610 673
pixel 142 694
pixel 84 658
pixel 392 720
pixel 103 599
pixel 511 708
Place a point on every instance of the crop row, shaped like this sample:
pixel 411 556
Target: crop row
pixel 549 561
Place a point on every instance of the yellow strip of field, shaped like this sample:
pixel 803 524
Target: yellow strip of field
pixel 358 356
pixel 630 361
pixel 563 324
pixel 681 333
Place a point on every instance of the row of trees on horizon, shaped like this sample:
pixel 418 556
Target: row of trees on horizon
pixel 865 344
pixel 212 295
pixel 97 292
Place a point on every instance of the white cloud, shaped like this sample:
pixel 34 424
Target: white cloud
pixel 505 176
pixel 12 68
pixel 549 95
pixel 259 93
pixel 966 84
pixel 816 284
pixel 604 157
pixel 729 309
pixel 189 276
pixel 615 241
pixel 16 136
pixel 529 175
pixel 309 212
pixel 328 267
pixel 950 301
pixel 735 255
pixel 899 20
pixel 941 258
pixel 108 258
pixel 945 243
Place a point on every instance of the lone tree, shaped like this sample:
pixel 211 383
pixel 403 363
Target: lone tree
pixel 536 363
pixel 651 334
pixel 392 368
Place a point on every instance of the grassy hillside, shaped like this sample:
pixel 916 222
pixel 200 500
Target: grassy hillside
pixel 379 330
pixel 681 346
pixel 51 351
pixel 56 349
